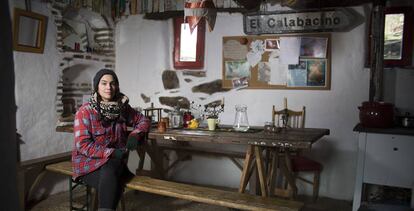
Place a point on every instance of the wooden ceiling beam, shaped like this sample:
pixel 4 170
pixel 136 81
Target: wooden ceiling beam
pixel 304 4
pixel 312 4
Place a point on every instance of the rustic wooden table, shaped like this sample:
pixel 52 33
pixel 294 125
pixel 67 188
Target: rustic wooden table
pixel 257 141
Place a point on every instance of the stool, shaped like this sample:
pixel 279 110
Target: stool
pixel 90 198
pixel 73 184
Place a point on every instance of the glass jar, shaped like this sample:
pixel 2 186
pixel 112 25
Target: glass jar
pixel 176 119
pixel 241 123
pixel 268 127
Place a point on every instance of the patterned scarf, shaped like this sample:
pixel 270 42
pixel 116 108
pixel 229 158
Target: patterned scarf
pixel 109 111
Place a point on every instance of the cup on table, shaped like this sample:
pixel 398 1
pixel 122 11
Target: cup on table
pixel 167 121
pixel 212 123
pixel 162 127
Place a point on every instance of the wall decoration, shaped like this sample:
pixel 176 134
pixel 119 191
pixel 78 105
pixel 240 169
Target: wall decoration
pixel 29 30
pixel 305 63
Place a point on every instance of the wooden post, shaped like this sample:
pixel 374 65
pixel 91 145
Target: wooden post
pixel 377 51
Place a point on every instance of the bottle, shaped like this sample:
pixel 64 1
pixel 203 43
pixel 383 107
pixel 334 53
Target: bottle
pixel 187 117
pixel 241 123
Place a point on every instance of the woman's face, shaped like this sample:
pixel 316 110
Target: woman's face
pixel 107 88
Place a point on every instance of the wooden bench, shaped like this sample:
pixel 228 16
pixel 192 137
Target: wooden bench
pixel 31 172
pixel 196 193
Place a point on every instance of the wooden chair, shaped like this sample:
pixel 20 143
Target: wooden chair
pixel 295 119
pixel 298 163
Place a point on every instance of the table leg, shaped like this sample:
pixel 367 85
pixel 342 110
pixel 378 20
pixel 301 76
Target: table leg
pixel 246 167
pixel 273 170
pixel 261 170
pixel 156 160
pixel 287 172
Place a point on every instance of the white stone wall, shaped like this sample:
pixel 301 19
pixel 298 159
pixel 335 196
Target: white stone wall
pixel 37 77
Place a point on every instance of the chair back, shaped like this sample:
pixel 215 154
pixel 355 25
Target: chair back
pixel 296 119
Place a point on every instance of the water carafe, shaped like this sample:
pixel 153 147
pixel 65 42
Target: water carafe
pixel 241 123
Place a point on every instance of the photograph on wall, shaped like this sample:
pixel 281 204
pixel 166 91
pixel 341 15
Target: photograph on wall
pixel 263 72
pixel 236 69
pixel 314 47
pixel 239 83
pixel 316 72
pixel 297 74
pixel 271 44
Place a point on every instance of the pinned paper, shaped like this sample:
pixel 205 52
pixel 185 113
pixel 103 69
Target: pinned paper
pixel 289 50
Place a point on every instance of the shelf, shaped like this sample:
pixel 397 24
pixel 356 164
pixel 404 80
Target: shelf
pixel 180 13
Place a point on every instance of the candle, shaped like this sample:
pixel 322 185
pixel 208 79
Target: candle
pixel 285 103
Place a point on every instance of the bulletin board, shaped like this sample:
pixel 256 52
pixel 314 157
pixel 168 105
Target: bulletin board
pixel 277 62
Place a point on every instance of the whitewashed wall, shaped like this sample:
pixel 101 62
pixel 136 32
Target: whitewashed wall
pixel 144 50
pixel 37 76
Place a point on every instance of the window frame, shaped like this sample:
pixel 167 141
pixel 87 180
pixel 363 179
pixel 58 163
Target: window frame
pixel 199 63
pixel 407 46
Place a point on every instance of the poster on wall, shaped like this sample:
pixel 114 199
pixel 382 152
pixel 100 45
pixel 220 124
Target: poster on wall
pixel 314 47
pixel 316 70
pixel 237 69
pixel 308 73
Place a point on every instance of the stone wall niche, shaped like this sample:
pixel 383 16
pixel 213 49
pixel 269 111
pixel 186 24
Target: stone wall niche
pixel 74 88
pixel 85 42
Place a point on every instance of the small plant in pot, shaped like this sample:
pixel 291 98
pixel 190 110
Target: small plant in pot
pixel 211 113
pixel 212 110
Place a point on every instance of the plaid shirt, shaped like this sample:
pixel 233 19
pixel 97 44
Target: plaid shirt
pixel 94 143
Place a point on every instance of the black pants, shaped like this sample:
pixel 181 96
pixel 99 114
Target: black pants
pixel 109 182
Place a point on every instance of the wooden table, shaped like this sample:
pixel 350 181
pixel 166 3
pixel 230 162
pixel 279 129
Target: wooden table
pixel 257 141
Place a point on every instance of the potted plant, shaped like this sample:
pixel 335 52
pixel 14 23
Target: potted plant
pixel 211 113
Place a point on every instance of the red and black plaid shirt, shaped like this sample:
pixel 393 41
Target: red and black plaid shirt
pixel 95 142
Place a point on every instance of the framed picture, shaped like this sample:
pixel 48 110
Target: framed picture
pixel 29 31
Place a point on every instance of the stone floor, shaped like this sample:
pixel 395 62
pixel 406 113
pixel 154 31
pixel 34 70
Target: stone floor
pixel 146 202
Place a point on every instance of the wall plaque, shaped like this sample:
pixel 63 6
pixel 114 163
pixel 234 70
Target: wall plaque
pixel 326 20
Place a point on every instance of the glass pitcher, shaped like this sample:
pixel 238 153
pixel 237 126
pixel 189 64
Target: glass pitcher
pixel 241 123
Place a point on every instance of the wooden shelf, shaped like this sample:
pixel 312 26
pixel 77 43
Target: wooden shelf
pixel 180 13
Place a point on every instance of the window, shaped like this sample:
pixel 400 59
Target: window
pixel 397 36
pixel 188 47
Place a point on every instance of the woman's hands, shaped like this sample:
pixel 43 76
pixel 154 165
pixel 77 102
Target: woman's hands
pixel 119 153
pixel 133 140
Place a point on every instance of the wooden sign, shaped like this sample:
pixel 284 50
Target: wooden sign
pixel 326 20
